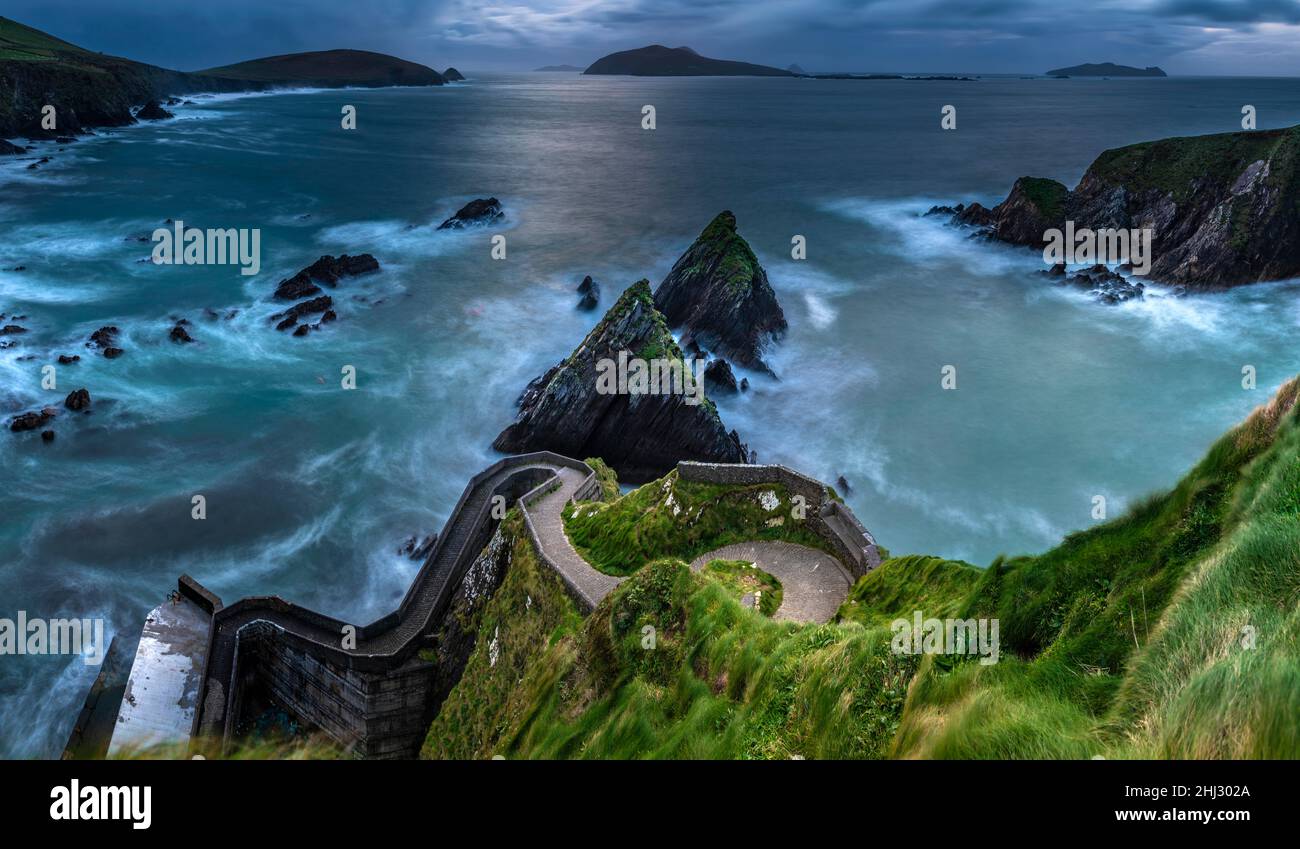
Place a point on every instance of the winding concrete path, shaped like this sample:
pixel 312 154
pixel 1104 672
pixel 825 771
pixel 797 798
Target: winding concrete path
pixel 547 518
pixel 813 584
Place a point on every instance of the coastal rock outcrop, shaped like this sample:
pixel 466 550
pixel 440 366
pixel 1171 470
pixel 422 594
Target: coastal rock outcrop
pixel 328 270
pixel 641 436
pixel 452 75
pixel 105 339
pixel 153 111
pixel 77 400
pixel 719 295
pixel 590 291
pixel 477 211
pixel 719 378
pixel 1221 209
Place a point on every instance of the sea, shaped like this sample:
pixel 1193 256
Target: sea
pixel 309 489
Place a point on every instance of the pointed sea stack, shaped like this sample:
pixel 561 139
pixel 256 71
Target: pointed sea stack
pixel 719 295
pixel 641 436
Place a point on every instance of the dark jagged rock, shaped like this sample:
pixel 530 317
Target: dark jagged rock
pixel 1105 285
pixel 418 549
pixel 478 211
pixel 78 399
pixel 1221 208
pixel 153 111
pixel 1034 206
pixel 719 378
pixel 719 294
pixel 179 334
pixel 105 338
pixel 452 75
pixel 843 483
pixel 31 421
pixel 302 330
pixel 290 317
pixel 327 270
pixel 65 360
pixel 744 384
pixel 47 436
pixel 12 330
pixel 590 291
pixel 640 436
pixel 10 149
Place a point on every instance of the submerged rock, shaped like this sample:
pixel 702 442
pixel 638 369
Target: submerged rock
pixel 478 211
pixel 179 334
pixel 153 111
pixel 719 294
pixel 77 400
pixel 590 291
pixel 641 436
pixel 105 338
pixel 290 317
pixel 719 379
pixel 31 421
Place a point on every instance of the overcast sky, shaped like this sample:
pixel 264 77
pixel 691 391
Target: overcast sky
pixel 1008 36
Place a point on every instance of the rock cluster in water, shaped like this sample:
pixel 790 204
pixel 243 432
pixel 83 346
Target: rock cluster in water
pixel 476 212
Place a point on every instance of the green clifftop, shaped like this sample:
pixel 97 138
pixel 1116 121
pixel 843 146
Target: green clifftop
pixel 1170 632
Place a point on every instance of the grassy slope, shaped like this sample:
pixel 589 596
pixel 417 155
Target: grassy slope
pixel 720 682
pixel 1173 631
pixel 1127 640
pixel 681 519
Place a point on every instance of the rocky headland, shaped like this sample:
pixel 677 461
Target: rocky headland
pixel 1222 209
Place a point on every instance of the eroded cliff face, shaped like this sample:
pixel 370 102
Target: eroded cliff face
pixel 641 436
pixel 1223 210
pixel 719 295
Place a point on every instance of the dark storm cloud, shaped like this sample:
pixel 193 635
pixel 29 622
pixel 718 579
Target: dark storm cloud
pixel 1187 36
pixel 1234 11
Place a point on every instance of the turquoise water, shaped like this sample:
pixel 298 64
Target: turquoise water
pixel 311 488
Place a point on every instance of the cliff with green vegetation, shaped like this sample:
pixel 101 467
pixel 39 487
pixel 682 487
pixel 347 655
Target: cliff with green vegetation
pixel 1170 632
pixel 1223 210
pixel 89 89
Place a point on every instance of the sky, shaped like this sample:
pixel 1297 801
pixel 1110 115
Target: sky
pixel 1212 37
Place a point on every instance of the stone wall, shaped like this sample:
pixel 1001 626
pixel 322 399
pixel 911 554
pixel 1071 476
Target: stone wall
pixel 832 520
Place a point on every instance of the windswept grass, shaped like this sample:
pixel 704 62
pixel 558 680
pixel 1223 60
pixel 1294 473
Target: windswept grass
pixel 671 666
pixel 1170 632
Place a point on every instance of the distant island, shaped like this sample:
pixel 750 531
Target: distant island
pixel 330 68
pixel 91 89
pixel 796 70
pixel 559 69
pixel 659 61
pixel 1106 69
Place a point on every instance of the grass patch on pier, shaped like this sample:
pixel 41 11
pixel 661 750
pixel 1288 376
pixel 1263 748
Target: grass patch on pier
pixel 742 578
pixel 671 517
